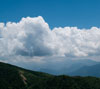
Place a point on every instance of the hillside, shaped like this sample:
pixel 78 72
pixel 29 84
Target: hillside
pixel 93 70
pixel 12 77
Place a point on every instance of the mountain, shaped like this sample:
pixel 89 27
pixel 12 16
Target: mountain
pixel 93 70
pixel 66 67
pixel 13 77
pixel 18 78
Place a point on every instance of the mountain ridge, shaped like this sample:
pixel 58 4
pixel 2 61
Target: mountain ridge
pixel 18 78
pixel 93 70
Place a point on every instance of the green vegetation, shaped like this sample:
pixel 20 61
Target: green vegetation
pixel 12 77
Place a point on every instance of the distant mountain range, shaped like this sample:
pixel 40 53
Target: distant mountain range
pixel 93 70
pixel 68 67
pixel 13 77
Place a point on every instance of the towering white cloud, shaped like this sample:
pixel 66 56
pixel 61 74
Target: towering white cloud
pixel 33 37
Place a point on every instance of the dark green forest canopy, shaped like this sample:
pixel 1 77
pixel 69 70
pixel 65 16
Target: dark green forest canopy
pixel 12 77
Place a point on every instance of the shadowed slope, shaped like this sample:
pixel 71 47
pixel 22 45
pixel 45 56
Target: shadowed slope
pixel 12 77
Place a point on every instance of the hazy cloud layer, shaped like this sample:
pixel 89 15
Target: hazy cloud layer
pixel 33 37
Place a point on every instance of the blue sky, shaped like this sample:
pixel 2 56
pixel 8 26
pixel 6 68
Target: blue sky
pixel 80 13
pixel 31 40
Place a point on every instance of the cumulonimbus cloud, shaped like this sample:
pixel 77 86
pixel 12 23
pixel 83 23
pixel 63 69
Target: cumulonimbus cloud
pixel 33 37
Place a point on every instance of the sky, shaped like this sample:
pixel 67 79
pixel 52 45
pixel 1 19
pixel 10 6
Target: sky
pixel 49 31
pixel 58 13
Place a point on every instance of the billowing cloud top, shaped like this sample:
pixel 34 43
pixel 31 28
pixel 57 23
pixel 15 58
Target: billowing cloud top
pixel 33 37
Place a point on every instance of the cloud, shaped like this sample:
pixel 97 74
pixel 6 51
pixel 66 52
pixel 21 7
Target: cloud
pixel 32 37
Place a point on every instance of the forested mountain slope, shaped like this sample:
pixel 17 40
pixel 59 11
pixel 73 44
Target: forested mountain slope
pixel 12 77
